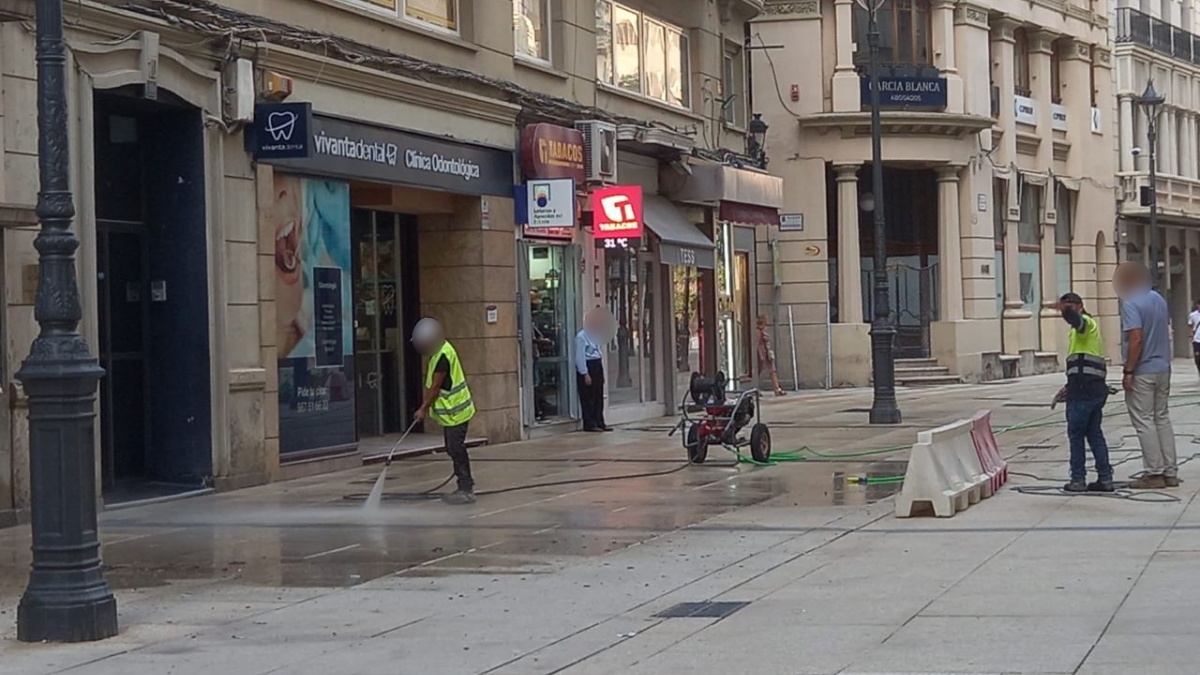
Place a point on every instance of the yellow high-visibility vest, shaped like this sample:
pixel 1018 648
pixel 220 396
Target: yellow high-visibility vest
pixel 453 406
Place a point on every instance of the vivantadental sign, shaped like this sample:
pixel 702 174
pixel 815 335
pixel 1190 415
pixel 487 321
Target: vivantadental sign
pixel 341 148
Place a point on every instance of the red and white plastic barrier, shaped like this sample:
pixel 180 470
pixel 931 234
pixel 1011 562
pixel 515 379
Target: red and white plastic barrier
pixel 944 471
pixel 989 450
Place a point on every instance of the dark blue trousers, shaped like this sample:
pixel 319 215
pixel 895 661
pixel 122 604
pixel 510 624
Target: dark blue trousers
pixel 1084 423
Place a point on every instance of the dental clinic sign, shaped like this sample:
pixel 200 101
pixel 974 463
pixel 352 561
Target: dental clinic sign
pixel 924 93
pixel 339 148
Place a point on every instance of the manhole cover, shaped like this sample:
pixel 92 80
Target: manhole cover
pixel 1024 404
pixel 701 610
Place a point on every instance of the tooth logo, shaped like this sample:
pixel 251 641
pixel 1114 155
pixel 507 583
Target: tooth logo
pixel 281 126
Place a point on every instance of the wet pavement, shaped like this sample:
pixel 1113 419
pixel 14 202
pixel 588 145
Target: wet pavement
pixel 556 504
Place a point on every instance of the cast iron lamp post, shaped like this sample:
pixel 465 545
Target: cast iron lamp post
pixel 68 599
pixel 1152 102
pixel 884 409
pixel 757 140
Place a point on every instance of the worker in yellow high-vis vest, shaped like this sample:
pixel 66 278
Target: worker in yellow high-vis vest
pixel 447 402
pixel 1086 394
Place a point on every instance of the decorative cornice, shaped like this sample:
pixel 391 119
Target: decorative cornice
pixel 1076 50
pixel 1042 42
pixel 900 122
pixel 1003 28
pixel 971 15
pixel 803 9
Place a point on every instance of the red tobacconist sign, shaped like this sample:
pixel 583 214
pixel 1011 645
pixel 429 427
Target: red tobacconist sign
pixel 617 212
pixel 551 151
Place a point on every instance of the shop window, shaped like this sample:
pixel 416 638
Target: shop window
pixel 999 209
pixel 641 55
pixel 531 29
pixel 904 33
pixel 1021 62
pixel 733 86
pixel 631 355
pixel 440 13
pixel 1027 228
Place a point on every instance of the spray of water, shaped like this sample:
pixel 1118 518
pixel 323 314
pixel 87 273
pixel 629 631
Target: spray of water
pixel 375 499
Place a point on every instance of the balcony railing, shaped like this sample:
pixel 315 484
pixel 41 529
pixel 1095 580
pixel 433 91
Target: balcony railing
pixel 1142 29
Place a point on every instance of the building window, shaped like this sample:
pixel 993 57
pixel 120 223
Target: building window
pixel 531 28
pixel 1021 62
pixel 1092 74
pixel 440 13
pixel 1055 73
pixel 1064 226
pixel 1028 226
pixel 733 87
pixel 641 55
pixel 904 33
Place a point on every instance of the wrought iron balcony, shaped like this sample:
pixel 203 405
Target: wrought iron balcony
pixel 1158 35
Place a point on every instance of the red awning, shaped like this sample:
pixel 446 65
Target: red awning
pixel 749 214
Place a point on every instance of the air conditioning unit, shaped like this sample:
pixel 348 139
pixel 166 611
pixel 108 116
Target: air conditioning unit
pixel 600 150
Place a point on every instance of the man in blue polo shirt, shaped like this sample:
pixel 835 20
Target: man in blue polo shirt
pixel 1146 347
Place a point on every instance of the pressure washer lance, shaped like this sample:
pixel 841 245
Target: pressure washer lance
pixel 1061 396
pixel 376 497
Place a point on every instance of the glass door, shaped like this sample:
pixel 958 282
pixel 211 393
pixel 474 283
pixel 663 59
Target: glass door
pixel 378 350
pixel 551 331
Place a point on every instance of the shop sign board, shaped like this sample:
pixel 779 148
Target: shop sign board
pixel 547 203
pixel 551 151
pixel 617 213
pixel 281 130
pixel 1025 109
pixel 906 92
pixel 348 149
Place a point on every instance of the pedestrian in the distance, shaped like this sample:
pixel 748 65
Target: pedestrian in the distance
pixel 1085 394
pixel 589 369
pixel 766 355
pixel 1194 325
pixel 1146 347
pixel 447 402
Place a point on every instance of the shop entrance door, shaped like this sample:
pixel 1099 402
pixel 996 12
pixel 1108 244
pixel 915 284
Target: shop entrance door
pixel 378 243
pixel 152 295
pixel 551 313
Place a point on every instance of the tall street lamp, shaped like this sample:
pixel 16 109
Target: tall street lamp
pixel 756 140
pixel 884 409
pixel 68 599
pixel 1152 102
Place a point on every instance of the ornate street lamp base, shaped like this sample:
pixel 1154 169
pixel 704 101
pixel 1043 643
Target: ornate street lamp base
pixel 884 409
pixel 42 617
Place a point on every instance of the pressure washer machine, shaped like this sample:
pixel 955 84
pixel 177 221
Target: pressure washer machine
pixel 714 416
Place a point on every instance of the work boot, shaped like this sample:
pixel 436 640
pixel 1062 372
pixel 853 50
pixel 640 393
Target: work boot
pixel 1101 486
pixel 1075 486
pixel 1148 482
pixel 460 498
pixel 1171 481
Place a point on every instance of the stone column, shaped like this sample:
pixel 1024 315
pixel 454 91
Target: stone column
pixel 1169 143
pixel 1039 69
pixel 950 278
pixel 1188 145
pixel 1005 79
pixel 1127 141
pixel 850 304
pixel 1140 139
pixel 846 92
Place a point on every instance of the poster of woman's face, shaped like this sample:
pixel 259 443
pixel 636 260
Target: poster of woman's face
pixel 289 273
pixel 314 321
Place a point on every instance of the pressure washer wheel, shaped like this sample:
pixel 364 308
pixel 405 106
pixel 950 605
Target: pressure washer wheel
pixel 697 448
pixel 760 443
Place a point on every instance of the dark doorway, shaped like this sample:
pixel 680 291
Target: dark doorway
pixel 387 371
pixel 911 216
pixel 155 410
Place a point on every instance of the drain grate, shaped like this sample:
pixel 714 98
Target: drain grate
pixel 701 610
pixel 855 410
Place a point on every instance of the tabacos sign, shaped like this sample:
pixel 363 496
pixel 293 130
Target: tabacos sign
pixel 551 151
pixel 617 212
